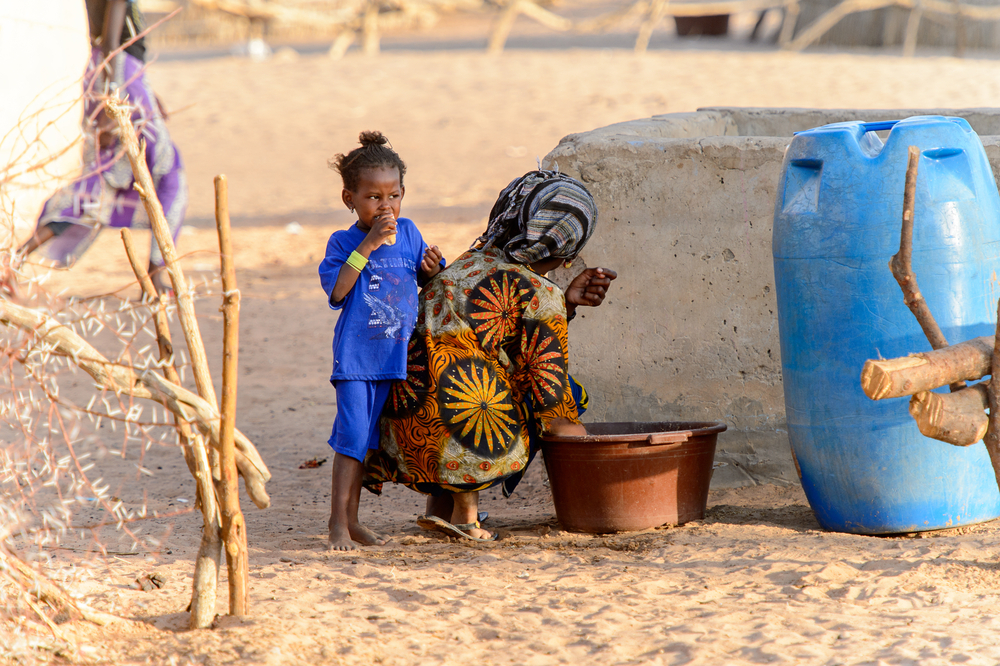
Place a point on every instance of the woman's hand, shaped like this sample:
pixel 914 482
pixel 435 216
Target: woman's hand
pixel 431 263
pixel 589 288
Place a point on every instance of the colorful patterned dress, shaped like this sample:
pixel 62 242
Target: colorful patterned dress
pixel 487 366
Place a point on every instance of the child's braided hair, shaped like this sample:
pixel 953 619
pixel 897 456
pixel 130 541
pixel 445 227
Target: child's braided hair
pixel 375 152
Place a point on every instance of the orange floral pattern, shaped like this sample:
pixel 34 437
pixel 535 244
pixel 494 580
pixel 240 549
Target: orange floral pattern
pixel 491 336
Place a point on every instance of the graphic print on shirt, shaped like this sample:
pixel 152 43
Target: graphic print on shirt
pixel 389 299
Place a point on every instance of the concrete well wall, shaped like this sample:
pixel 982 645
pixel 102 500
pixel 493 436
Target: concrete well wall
pixel 689 331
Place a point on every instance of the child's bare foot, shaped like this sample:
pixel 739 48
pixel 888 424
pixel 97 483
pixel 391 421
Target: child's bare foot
pixel 342 544
pixel 365 536
pixel 354 537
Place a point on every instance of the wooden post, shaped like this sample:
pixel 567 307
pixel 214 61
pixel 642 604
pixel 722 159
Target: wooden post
pixel 369 29
pixel 788 24
pixel 896 377
pixel 233 525
pixel 205 586
pixel 992 439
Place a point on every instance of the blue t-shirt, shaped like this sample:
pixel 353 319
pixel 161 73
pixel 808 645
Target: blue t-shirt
pixel 373 330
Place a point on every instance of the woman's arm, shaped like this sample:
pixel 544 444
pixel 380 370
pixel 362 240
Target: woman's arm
pixel 588 288
pixel 563 427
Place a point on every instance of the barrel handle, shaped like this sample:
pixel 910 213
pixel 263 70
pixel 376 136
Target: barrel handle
pixel 669 437
pixel 879 126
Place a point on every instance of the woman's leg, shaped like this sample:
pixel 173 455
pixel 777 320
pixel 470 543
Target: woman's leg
pixel 466 511
pixel 441 506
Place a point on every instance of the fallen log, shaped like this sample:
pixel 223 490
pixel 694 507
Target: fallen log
pixel 898 377
pixel 957 418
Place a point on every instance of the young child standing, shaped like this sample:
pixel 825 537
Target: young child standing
pixel 370 273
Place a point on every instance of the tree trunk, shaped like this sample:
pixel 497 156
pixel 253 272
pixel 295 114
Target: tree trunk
pixel 956 418
pixel 896 377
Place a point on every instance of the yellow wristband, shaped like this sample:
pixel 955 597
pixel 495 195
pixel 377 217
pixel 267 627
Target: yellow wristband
pixel 357 261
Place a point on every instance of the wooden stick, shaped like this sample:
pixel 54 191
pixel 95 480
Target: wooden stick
pixel 502 27
pixel 897 377
pixel 956 418
pixel 912 30
pixel 149 385
pixel 901 264
pixel 164 342
pixel 992 438
pixel 119 110
pixel 653 19
pixel 206 571
pixel 205 586
pixel 233 525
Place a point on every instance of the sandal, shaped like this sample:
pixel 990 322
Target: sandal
pixel 433 523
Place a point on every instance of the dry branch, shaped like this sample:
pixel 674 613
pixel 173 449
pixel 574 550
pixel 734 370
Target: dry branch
pixel 901 264
pixel 164 342
pixel 149 385
pixel 897 377
pixel 47 592
pixel 957 418
pixel 234 534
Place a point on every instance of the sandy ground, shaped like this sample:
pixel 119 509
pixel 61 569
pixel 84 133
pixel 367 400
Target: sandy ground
pixel 756 581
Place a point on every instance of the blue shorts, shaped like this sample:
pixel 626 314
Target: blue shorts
pixel 359 406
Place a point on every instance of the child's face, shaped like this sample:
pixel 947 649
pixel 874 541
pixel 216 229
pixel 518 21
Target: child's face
pixel 379 193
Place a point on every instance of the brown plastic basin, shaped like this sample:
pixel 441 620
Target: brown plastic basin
pixel 623 477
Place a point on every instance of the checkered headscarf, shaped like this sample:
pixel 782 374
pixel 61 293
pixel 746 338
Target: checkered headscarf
pixel 542 214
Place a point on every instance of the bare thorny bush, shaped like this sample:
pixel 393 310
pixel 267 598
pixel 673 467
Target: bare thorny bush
pixel 72 455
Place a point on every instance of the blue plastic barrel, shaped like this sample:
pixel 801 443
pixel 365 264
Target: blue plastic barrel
pixel 864 466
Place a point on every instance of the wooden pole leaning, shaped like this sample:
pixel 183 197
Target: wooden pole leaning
pixel 653 19
pixel 163 340
pixel 234 534
pixel 144 185
pixel 205 586
pixel 209 552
